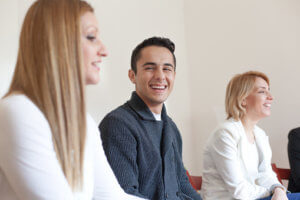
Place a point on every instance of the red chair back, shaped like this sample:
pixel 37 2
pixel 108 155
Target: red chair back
pixel 282 173
pixel 196 181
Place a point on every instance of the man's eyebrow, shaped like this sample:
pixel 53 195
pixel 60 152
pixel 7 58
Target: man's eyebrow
pixel 152 63
pixel 168 64
pixel 149 63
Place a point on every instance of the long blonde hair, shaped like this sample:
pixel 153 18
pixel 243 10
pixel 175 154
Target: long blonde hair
pixel 238 88
pixel 49 71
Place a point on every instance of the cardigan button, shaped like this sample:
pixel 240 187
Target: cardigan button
pixel 177 194
pixel 166 195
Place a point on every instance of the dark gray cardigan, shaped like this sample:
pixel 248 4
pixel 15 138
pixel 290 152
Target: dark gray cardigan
pixel 145 154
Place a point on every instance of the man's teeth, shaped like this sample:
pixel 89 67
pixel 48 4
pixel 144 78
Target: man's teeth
pixel 267 105
pixel 158 87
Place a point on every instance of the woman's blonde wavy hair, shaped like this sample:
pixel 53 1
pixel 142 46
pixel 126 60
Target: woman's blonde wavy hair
pixel 238 88
pixel 49 71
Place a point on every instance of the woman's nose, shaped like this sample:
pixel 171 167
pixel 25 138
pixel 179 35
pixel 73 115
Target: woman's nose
pixel 102 51
pixel 270 97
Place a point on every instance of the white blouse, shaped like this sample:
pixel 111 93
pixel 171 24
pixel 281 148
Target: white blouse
pixel 253 161
pixel 29 168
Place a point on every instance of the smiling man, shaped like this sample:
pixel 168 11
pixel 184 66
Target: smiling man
pixel 141 142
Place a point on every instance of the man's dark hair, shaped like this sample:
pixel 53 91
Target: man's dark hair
pixel 153 41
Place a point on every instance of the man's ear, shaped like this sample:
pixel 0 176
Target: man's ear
pixel 131 76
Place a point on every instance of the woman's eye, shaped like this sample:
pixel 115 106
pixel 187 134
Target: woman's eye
pixel 90 37
pixel 262 92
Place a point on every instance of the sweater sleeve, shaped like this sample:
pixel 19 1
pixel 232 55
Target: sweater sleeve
pixel 224 153
pixel 27 156
pixel 120 147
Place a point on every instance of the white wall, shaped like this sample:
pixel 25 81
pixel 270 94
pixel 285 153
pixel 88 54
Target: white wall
pixel 8 41
pixel 214 39
pixel 123 25
pixel 232 36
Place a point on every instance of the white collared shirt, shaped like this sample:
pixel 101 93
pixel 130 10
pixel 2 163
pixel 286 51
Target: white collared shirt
pixel 157 116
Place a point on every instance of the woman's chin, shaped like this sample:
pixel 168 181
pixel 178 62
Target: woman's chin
pixel 92 80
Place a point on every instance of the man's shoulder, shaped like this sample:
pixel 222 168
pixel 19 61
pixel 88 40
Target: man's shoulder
pixel 294 133
pixel 120 111
pixel 121 115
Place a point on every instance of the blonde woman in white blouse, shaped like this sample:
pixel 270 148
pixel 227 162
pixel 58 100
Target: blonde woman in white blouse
pixel 237 157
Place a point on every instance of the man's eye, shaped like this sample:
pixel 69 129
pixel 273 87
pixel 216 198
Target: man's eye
pixel 149 68
pixel 167 69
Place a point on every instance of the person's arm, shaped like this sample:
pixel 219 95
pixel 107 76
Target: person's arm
pixel 279 194
pixel 120 148
pixel 294 158
pixel 106 185
pixel 224 154
pixel 266 176
pixel 27 156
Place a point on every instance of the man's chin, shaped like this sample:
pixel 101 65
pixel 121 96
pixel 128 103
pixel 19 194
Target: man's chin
pixel 158 101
